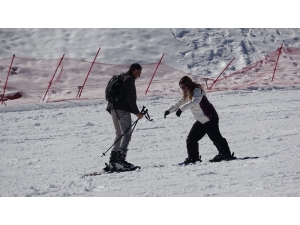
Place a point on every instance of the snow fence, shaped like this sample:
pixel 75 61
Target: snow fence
pixel 24 80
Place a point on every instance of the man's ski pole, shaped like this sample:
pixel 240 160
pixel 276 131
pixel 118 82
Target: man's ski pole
pixel 133 124
pixel 144 111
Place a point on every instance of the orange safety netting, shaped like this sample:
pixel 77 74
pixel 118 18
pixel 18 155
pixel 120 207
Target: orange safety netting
pixel 49 80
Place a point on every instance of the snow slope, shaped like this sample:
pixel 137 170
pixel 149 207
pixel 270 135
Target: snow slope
pixel 44 147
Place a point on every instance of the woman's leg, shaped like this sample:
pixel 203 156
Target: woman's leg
pixel 213 132
pixel 196 133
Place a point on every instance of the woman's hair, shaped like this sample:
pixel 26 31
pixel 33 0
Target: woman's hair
pixel 191 85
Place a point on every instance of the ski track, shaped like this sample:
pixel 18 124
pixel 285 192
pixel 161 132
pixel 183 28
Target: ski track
pixel 45 147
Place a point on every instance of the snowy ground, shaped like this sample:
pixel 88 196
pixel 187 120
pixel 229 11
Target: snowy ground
pixel 44 148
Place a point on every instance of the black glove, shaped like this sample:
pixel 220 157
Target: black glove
pixel 108 110
pixel 166 113
pixel 178 112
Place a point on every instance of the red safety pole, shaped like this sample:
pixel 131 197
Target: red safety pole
pixel 53 76
pixel 88 73
pixel 277 61
pixel 154 73
pixel 7 79
pixel 221 74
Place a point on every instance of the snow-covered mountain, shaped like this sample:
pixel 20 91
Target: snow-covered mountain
pixel 200 51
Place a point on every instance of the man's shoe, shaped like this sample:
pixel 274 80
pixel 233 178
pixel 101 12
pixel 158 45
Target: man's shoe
pixel 113 157
pixel 120 166
pixel 117 162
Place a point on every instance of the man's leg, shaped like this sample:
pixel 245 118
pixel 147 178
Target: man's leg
pixel 116 146
pixel 116 123
pixel 125 127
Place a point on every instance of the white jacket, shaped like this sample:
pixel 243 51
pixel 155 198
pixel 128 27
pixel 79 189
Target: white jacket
pixel 201 108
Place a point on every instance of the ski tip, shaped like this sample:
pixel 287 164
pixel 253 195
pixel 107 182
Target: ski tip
pixel 89 175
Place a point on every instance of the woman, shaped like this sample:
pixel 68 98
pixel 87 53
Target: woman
pixel 207 121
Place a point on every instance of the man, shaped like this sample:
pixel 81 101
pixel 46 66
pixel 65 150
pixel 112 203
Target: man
pixel 121 116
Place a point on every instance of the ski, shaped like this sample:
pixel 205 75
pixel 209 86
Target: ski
pixel 235 158
pixel 108 172
pixel 92 174
pixel 247 157
pixel 182 164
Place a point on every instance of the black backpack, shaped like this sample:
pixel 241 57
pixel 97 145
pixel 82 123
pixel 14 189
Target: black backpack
pixel 114 88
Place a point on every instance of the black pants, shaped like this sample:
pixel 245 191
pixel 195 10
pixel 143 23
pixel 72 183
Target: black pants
pixel 198 131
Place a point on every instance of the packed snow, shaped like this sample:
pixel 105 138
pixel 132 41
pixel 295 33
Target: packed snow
pixel 46 147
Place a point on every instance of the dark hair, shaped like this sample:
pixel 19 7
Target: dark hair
pixel 135 66
pixel 187 81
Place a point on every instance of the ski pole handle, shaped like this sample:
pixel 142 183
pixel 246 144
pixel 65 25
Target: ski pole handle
pixel 144 111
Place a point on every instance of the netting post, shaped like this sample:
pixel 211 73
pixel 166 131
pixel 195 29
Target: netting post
pixel 221 74
pixel 87 75
pixel 2 98
pixel 206 79
pixel 277 62
pixel 154 73
pixel 79 89
pixel 53 77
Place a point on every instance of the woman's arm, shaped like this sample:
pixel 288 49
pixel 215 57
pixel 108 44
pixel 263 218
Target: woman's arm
pixel 196 99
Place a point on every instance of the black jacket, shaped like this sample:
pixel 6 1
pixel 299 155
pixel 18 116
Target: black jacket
pixel 128 96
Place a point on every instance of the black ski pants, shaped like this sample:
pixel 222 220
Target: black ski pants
pixel 198 131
